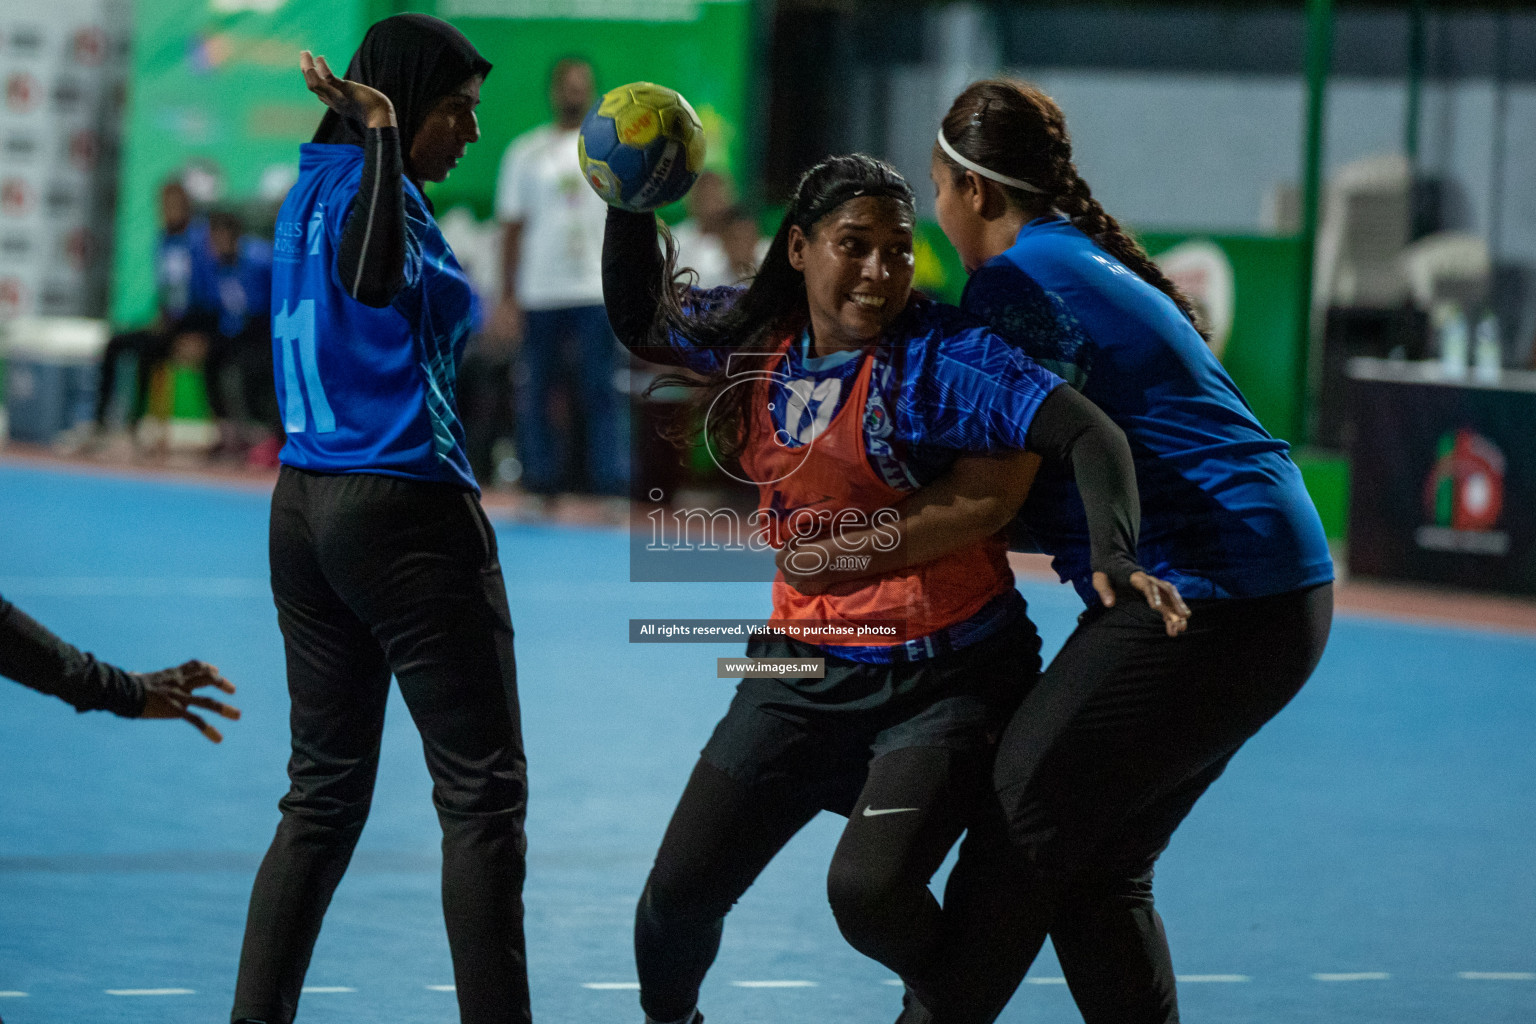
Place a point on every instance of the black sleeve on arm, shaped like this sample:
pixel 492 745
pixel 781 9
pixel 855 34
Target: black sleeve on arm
pixel 35 657
pixel 1071 429
pixel 371 257
pixel 634 273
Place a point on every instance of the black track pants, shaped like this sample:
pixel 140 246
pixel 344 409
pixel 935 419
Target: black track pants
pixel 375 576
pixel 1099 765
pixel 911 810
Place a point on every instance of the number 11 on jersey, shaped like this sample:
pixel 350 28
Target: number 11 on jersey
pixel 298 327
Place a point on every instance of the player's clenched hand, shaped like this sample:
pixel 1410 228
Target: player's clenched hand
pixel 353 100
pixel 168 693
pixel 1160 595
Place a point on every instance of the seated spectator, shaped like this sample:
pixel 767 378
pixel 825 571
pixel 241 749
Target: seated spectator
pixel 182 248
pixel 231 302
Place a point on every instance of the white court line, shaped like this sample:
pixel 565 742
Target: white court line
pixel 1045 981
pixel 1197 978
pixel 135 586
pixel 1356 976
pixel 892 981
pixel 150 991
pixel 442 988
pixel 327 988
pixel 611 986
pixel 13 995
pixel 1473 976
pixel 774 984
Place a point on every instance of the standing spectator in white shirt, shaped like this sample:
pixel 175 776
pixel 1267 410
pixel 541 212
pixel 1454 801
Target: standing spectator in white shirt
pixel 701 238
pixel 553 299
pixel 719 241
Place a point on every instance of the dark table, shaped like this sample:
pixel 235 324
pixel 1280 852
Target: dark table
pixel 1442 476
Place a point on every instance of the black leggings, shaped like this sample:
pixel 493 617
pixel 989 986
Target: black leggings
pixel 725 831
pixel 1100 764
pixel 374 575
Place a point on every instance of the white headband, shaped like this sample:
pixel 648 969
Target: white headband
pixel 972 165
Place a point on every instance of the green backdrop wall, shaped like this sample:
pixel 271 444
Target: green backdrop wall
pixel 1262 351
pixel 700 49
pixel 224 88
pixel 219 87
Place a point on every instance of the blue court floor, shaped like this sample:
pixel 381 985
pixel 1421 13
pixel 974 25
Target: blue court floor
pixel 1370 857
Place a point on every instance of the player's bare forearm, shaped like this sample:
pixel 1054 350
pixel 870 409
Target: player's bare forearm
pixel 975 499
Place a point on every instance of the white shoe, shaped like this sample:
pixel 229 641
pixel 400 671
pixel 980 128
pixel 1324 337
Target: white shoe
pixel 80 439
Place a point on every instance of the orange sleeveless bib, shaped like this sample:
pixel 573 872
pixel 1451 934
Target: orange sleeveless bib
pixel 832 475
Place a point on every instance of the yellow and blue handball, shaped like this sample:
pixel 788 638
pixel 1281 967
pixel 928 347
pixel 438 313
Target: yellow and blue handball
pixel 641 147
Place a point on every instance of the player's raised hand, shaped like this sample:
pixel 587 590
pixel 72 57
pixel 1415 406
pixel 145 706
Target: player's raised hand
pixel 168 693
pixel 354 100
pixel 1162 596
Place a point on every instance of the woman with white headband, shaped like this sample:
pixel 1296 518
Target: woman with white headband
pixel 857 393
pixel 1128 725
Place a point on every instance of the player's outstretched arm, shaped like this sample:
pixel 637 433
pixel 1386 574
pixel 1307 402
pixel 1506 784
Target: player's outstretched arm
pixel 171 693
pixel 34 656
pixel 977 497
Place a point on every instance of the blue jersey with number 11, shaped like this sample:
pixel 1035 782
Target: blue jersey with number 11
pixel 366 390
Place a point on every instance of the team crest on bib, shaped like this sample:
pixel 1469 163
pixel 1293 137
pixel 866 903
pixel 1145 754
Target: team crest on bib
pixel 877 422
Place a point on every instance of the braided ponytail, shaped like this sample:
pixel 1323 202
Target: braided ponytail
pixel 1013 128
pixel 1088 216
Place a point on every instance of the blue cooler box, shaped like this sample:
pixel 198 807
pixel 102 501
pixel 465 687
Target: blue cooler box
pixel 51 372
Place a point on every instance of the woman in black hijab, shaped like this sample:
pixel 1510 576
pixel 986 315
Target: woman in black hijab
pixel 383 562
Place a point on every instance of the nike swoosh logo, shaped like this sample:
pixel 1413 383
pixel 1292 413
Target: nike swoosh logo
pixel 870 812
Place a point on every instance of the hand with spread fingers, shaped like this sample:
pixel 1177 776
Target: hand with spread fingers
pixel 168 693
pixel 1161 595
pixel 361 103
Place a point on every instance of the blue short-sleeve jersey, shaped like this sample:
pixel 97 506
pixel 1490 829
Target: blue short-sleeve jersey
pixel 237 291
pixel 366 390
pixel 943 385
pixel 1224 513
pixel 179 260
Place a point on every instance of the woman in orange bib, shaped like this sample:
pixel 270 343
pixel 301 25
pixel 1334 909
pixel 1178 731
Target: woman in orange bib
pixel 838 392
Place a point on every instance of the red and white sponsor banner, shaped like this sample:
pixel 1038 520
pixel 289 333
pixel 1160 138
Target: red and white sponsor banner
pixel 63 71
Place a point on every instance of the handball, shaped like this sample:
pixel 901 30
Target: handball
pixel 641 147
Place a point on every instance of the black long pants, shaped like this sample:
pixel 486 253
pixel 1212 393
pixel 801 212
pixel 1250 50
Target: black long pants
pixel 485 405
pixel 238 375
pixel 725 831
pixel 147 349
pixel 374 575
pixel 1099 765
